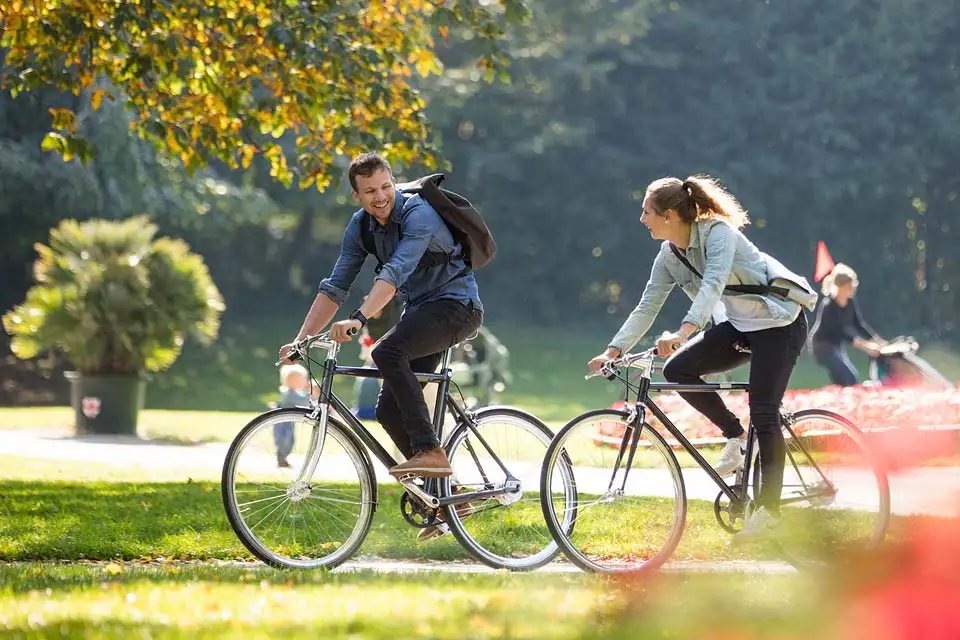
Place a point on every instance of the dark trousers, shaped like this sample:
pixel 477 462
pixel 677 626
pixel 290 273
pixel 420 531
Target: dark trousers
pixel 416 345
pixel 774 353
pixel 833 358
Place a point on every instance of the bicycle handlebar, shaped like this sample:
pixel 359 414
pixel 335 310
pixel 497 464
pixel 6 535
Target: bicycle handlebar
pixel 609 370
pixel 323 340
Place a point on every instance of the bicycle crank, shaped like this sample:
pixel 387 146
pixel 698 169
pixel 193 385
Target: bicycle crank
pixel 412 488
pixel 416 513
pixel 729 514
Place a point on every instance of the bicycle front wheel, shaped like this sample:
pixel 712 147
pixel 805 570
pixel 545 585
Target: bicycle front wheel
pixel 836 497
pixel 284 517
pixel 625 517
pixel 503 449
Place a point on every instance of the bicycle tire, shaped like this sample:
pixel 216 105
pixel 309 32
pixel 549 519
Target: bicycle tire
pixel 366 477
pixel 458 526
pixel 562 536
pixel 792 554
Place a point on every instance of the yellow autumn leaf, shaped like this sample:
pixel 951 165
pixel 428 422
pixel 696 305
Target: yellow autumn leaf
pixel 248 65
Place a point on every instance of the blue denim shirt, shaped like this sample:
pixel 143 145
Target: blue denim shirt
pixel 423 230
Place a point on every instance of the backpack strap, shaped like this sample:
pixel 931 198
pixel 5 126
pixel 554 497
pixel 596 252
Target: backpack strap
pixel 756 289
pixel 429 258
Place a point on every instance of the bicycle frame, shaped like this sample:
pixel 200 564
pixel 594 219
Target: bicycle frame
pixel 644 402
pixel 328 400
pixel 648 402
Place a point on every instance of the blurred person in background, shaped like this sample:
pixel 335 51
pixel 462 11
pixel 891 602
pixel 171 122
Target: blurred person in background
pixel 838 324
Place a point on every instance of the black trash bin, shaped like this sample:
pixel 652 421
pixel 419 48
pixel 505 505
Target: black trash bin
pixel 107 404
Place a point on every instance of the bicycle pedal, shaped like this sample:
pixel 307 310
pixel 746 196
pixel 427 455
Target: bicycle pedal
pixel 408 478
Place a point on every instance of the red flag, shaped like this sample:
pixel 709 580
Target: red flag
pixel 824 262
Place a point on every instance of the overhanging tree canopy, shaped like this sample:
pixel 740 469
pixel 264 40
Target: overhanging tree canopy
pixel 225 79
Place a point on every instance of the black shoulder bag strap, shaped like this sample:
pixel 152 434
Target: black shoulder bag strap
pixel 429 259
pixel 756 289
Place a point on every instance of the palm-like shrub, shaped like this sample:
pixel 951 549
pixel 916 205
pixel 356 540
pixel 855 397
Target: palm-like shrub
pixel 114 299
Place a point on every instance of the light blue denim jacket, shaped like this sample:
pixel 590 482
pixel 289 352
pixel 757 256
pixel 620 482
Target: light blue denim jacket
pixel 724 256
pixel 423 230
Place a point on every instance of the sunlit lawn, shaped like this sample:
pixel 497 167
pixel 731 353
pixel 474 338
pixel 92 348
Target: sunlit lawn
pixel 118 600
pixel 72 510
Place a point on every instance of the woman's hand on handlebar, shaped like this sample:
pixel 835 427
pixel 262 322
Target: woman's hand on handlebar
pixel 669 342
pixel 344 330
pixel 599 361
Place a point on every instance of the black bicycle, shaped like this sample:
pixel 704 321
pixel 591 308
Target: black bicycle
pixel 318 512
pixel 631 506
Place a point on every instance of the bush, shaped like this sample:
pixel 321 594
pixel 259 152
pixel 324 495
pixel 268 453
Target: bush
pixel 114 299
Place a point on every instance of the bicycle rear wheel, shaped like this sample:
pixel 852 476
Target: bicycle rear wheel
pixel 292 522
pixel 505 531
pixel 619 523
pixel 836 498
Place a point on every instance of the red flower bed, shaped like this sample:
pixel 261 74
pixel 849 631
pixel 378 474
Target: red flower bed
pixel 869 408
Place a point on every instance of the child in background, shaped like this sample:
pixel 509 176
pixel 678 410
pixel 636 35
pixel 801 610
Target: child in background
pixel 295 390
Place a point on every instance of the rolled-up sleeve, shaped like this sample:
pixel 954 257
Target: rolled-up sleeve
pixel 641 318
pixel 419 226
pixel 349 263
pixel 721 247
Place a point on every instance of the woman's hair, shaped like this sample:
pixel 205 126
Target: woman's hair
pixel 840 275
pixel 696 198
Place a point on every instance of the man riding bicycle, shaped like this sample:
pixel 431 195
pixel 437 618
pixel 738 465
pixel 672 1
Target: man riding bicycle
pixel 421 262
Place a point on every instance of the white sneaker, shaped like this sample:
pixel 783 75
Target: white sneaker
pixel 733 456
pixel 761 525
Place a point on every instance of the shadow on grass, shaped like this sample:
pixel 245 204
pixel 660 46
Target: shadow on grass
pixel 177 521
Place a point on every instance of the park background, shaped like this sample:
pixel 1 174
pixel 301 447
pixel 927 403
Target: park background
pixel 829 121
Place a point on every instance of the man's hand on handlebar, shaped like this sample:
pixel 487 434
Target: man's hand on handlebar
pixel 285 352
pixel 344 330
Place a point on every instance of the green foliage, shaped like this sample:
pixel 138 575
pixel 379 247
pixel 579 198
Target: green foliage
pixel 226 79
pixel 828 121
pixel 833 122
pixel 114 299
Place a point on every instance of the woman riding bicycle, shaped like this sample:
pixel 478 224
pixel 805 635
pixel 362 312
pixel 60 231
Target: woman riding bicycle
pixel 700 224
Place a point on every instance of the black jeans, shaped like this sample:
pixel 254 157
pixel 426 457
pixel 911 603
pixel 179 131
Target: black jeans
pixel 833 358
pixel 416 344
pixel 774 354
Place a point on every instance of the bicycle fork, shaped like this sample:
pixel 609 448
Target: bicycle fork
pixel 632 436
pixel 320 416
pixel 318 437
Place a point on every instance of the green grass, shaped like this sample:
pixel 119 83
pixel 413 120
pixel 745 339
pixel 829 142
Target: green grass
pixel 71 510
pixel 61 510
pixel 114 601
pixel 237 373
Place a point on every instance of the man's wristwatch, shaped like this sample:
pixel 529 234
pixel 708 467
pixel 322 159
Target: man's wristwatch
pixel 357 315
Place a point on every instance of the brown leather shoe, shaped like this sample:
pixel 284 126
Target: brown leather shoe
pixel 429 464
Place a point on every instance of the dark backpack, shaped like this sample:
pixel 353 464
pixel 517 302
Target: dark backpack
pixel 465 223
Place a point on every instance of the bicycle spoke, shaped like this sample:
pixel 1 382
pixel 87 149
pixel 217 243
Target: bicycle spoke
pixel 289 523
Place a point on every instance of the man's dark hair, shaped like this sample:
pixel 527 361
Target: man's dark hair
pixel 366 164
